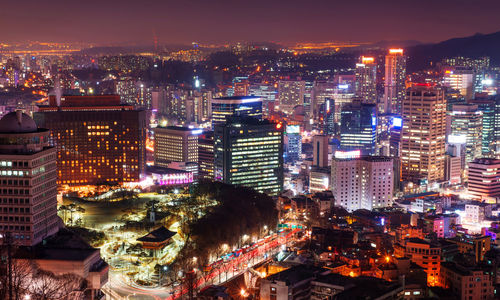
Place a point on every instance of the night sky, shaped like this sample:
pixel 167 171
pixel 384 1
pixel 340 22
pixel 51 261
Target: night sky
pixel 284 21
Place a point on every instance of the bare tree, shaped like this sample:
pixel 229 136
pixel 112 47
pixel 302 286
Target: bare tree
pixel 19 278
pixel 46 285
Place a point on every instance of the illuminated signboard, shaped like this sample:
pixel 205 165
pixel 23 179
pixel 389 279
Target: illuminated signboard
pixel 348 154
pixel 292 129
pixel 395 51
pixel 457 139
pixel 367 60
pixel 397 122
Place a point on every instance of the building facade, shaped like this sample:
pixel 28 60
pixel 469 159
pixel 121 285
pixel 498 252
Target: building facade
pixel 363 183
pixel 175 144
pixel 394 86
pixel 467 121
pixel 291 94
pixel 423 134
pixel 206 155
pixel 249 152
pixel 28 193
pixel 358 128
pixel 237 106
pixel 366 80
pixel 98 140
pixel 484 179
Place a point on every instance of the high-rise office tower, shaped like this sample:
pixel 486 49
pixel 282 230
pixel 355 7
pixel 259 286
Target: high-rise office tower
pixel 484 179
pixel 487 107
pixel 394 86
pixel 291 94
pixel 126 87
pixel 249 152
pixel 395 136
pixel 293 143
pixel 362 183
pixel 423 135
pixel 206 155
pixel 320 92
pixel 366 80
pixel 358 128
pixel 237 106
pixel 175 144
pixel 177 103
pixel 320 151
pixel 267 93
pixel 203 104
pixel 28 193
pixel 453 165
pixel 327 117
pixel 460 79
pixel 98 140
pixel 467 121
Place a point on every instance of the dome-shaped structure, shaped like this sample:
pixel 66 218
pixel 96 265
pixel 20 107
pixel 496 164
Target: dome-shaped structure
pixel 17 122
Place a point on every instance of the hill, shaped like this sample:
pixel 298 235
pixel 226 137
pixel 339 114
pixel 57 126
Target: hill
pixel 478 45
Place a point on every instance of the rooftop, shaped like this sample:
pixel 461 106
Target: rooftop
pixel 178 128
pixel 238 98
pixel 296 274
pixel 158 235
pixel 17 122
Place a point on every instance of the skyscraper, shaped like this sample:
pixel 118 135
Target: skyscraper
pixel 206 155
pixel 423 135
pixel 291 94
pixel 362 183
pixel 320 93
pixel 366 80
pixel 267 93
pixel 28 173
pixel 320 151
pixel 394 86
pixel 98 140
pixel 293 143
pixel 467 121
pixel 487 107
pixel 249 152
pixel 226 107
pixel 358 128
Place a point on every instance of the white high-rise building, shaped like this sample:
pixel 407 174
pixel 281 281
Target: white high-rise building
pixel 28 190
pixel 363 183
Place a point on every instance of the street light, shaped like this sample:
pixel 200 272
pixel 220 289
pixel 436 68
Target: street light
pixel 27 297
pixel 243 293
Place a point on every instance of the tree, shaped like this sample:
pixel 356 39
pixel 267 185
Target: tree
pixel 29 279
pixel 21 274
pixel 48 286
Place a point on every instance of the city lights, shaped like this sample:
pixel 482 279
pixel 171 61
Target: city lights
pixel 170 168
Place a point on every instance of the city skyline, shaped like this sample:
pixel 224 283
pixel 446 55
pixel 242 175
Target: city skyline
pixel 131 22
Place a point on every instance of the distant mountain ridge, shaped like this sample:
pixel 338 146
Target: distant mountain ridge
pixel 475 46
